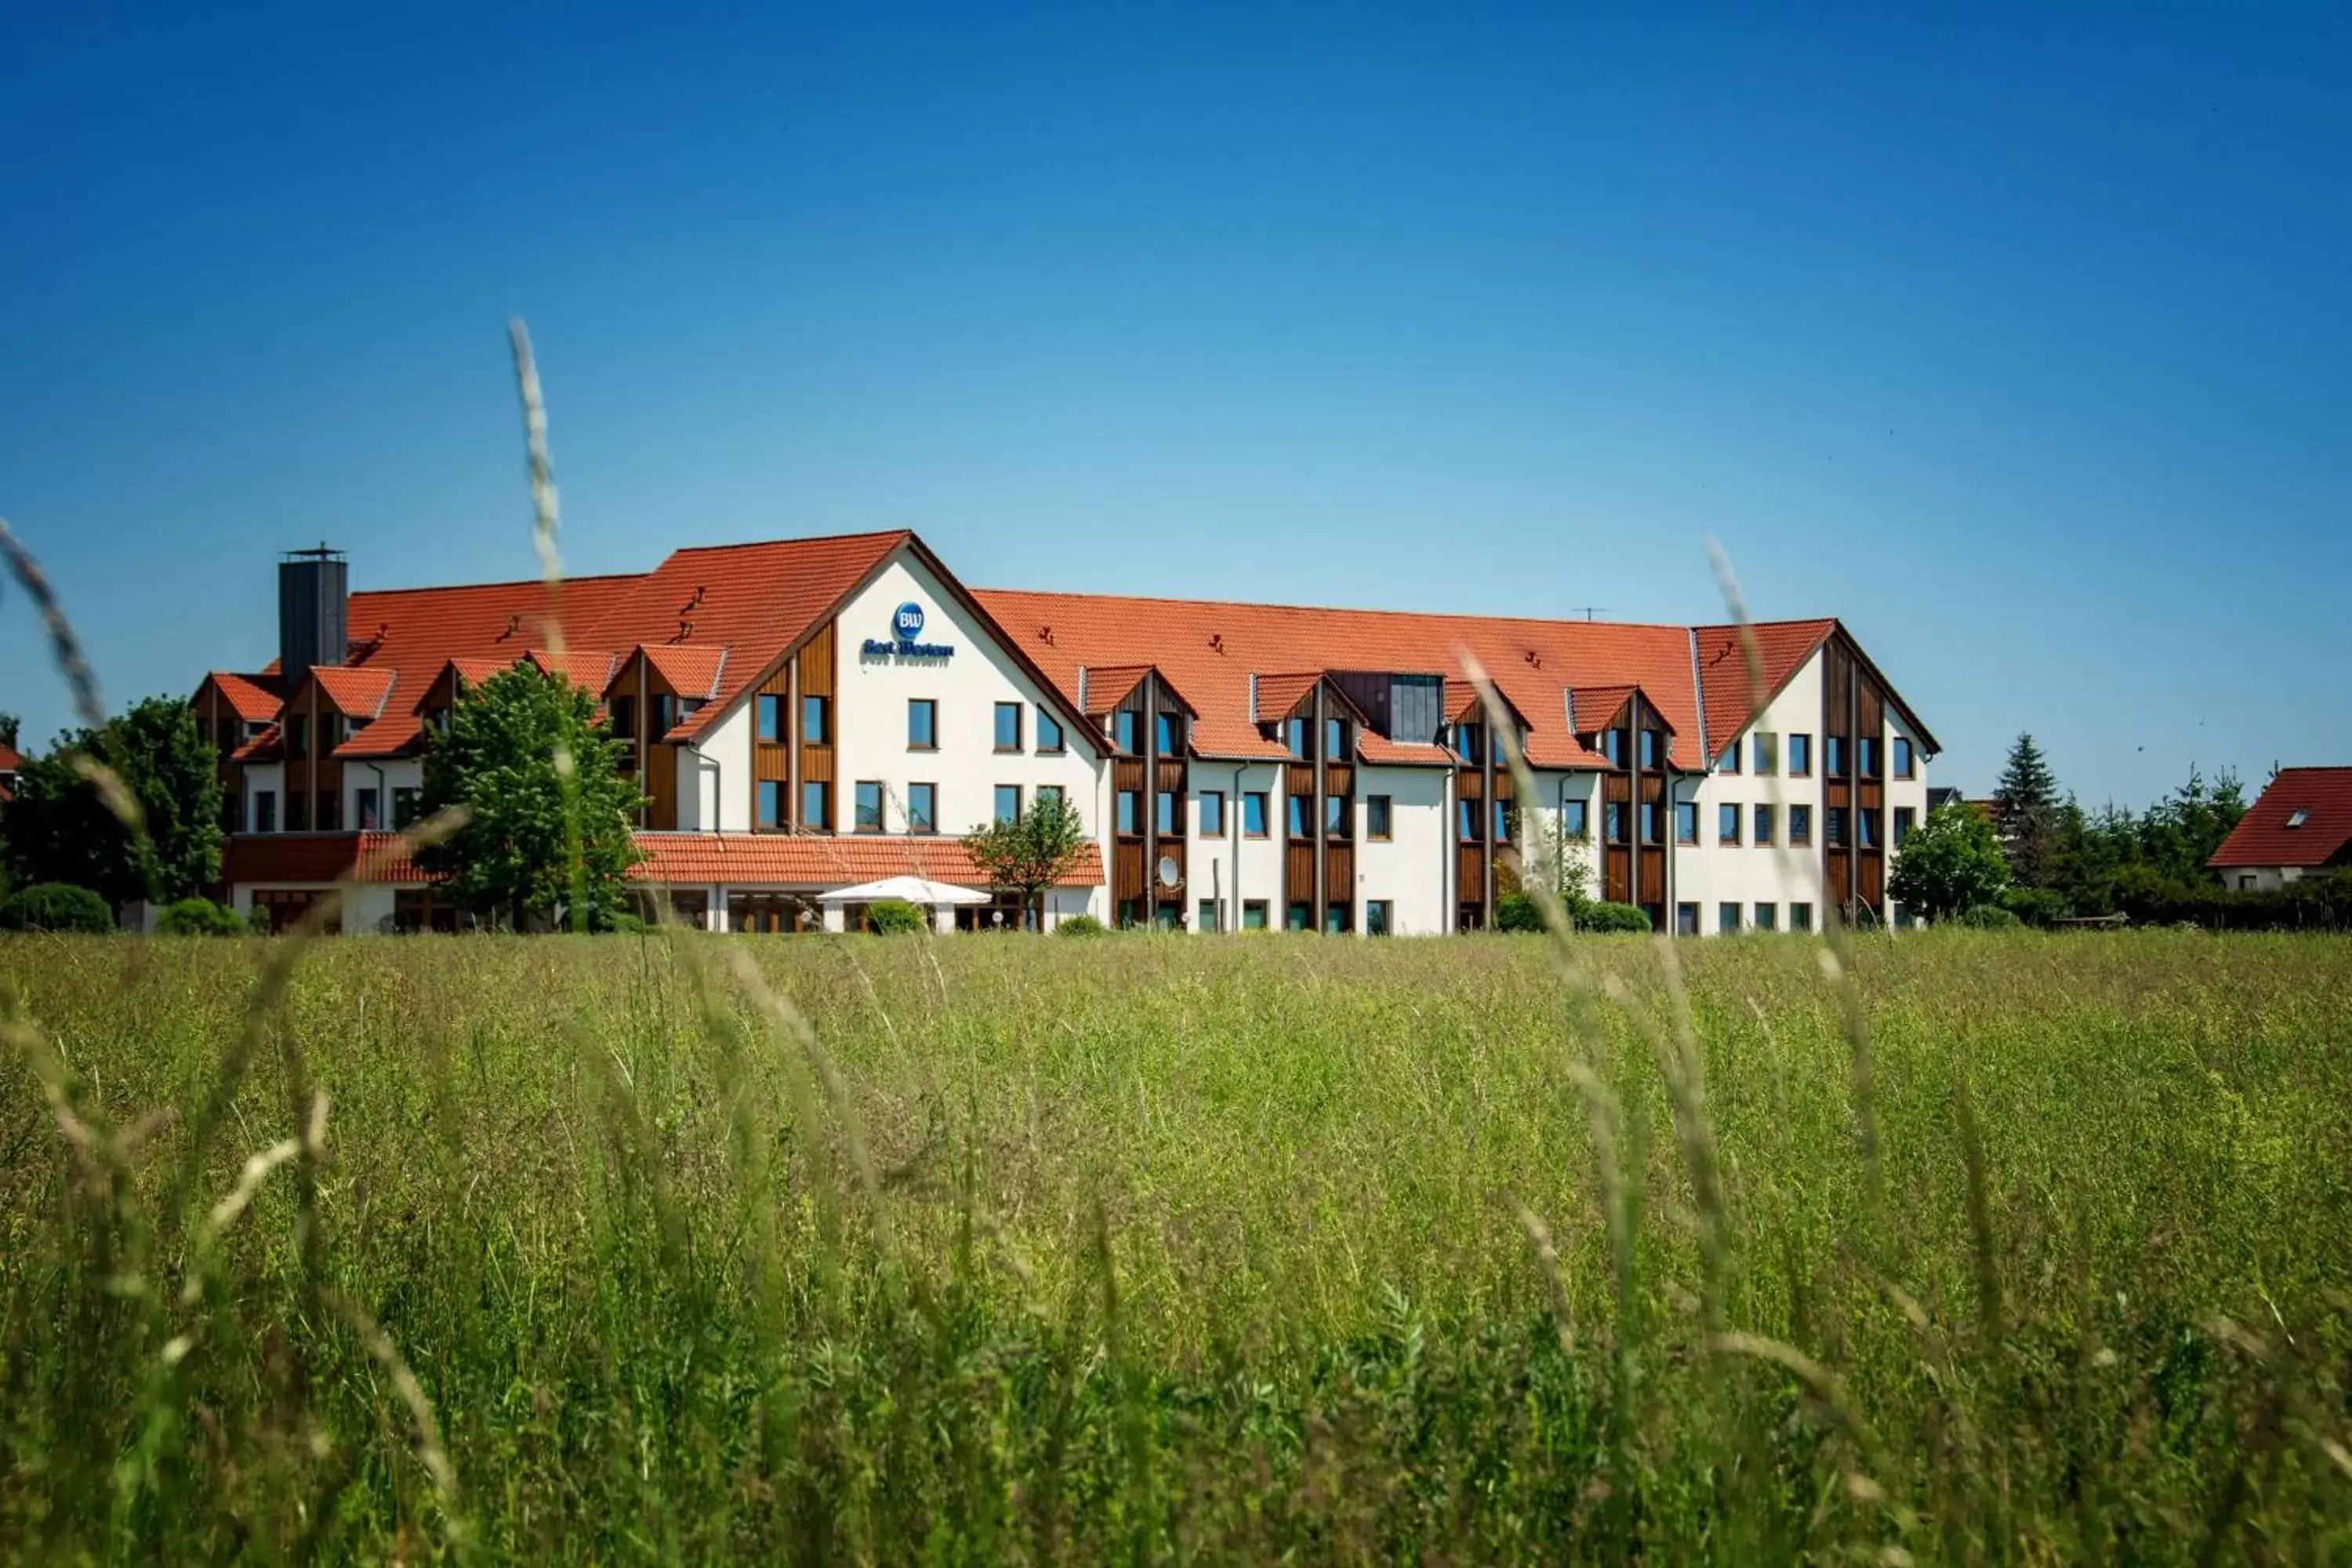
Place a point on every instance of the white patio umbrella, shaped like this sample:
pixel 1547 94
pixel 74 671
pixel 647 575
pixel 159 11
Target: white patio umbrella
pixel 911 889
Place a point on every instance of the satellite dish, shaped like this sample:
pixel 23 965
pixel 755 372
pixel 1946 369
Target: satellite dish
pixel 1169 874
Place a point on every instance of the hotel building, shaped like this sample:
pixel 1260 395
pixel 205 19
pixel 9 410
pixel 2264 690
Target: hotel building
pixel 805 715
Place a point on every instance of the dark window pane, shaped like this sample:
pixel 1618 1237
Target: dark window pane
pixel 1335 816
pixel 1164 727
pixel 1727 823
pixel 1213 813
pixel 1800 825
pixel 1298 816
pixel 1008 802
pixel 1768 917
pixel 1294 736
pixel 923 723
pixel 1334 739
pixel 1575 819
pixel 1727 918
pixel 814 730
pixel 922 816
pixel 1649 748
pixel 1613 821
pixel 1612 746
pixel 1049 731
pixel 1834 755
pixel 1687 832
pixel 1763 825
pixel 1302 916
pixel 1502 822
pixel 1377 810
pixel 771 712
pixel 1800 755
pixel 1903 760
pixel 1008 726
pixel 1164 814
pixel 1123 730
pixel 1685 919
pixel 1904 818
pixel 869 807
pixel 1129 802
pixel 816 804
pixel 1254 814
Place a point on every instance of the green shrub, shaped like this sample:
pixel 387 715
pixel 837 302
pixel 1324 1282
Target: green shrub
pixel 895 917
pixel 1604 917
pixel 1080 925
pixel 56 905
pixel 200 917
pixel 2036 906
pixel 1988 917
pixel 621 922
pixel 1518 912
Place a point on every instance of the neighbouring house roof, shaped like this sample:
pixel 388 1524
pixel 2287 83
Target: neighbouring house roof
pixel 682 859
pixel 2304 818
pixel 11 763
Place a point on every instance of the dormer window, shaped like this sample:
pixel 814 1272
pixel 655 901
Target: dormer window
pixel 2298 818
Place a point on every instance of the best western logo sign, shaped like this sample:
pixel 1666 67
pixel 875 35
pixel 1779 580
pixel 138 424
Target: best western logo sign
pixel 906 630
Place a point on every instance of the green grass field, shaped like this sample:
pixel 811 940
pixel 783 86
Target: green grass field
pixel 1165 1249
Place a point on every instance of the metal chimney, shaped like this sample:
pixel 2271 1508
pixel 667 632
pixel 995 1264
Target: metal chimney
pixel 312 585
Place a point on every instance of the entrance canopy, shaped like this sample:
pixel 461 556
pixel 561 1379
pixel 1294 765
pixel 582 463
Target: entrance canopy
pixel 910 890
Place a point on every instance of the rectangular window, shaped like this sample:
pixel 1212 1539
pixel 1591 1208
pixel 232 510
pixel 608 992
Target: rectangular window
pixel 1730 762
pixel 1686 825
pixel 1576 819
pixel 1213 813
pixel 1049 792
pixel 1379 917
pixel 663 714
pixel 1335 920
pixel 1300 916
pixel 923 725
pixel 1211 916
pixel 1904 818
pixel 1335 740
pixel 1164 728
pixel 1122 730
pixel 1767 749
pixel 1612 746
pixel 1298 816
pixel 1049 732
pixel 1653 822
pixel 771 804
pixel 1130 812
pixel 1294 736
pixel 1800 916
pixel 816 804
pixel 869 805
pixel 407 803
pixel 1008 802
pixel 1253 915
pixel 1727 920
pixel 1502 822
pixel 1904 763
pixel 1867 820
pixel 1469 742
pixel 817 721
pixel 1800 825
pixel 1465 821
pixel 1868 756
pixel 1650 749
pixel 1008 726
pixel 1768 917
pixel 1727 823
pixel 1801 757
pixel 298 735
pixel 1164 815
pixel 623 715
pixel 923 808
pixel 368 816
pixel 330 812
pixel 1335 817
pixel 1685 919
pixel 1833 756
pixel 769 713
pixel 1763 827
pixel 1613 821
pixel 1834 826
pixel 1377 813
pixel 1254 814
pixel 297 812
pixel 265 811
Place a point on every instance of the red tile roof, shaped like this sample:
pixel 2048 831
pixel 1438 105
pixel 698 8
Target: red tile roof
pixel 10 760
pixel 262 748
pixel 358 693
pixel 753 599
pixel 820 860
pixel 2324 837
pixel 587 669
pixel 1211 647
pixel 1110 686
pixel 252 698
pixel 387 737
pixel 1731 700
pixel 691 671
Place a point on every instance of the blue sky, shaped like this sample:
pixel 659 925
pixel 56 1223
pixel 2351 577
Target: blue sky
pixel 2021 339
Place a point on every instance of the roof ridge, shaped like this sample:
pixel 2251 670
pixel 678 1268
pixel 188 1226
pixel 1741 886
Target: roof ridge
pixel 791 538
pixel 1335 609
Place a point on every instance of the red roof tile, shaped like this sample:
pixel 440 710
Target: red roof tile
pixel 691 671
pixel 262 748
pixel 10 760
pixel 587 669
pixel 387 737
pixel 755 600
pixel 2322 838
pixel 252 698
pixel 1209 647
pixel 820 860
pixel 1784 647
pixel 357 693
pixel 1110 686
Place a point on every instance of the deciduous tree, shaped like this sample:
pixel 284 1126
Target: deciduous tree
pixel 60 830
pixel 530 846
pixel 1030 853
pixel 1950 864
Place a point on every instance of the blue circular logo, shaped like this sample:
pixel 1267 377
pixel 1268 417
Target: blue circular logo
pixel 908 621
